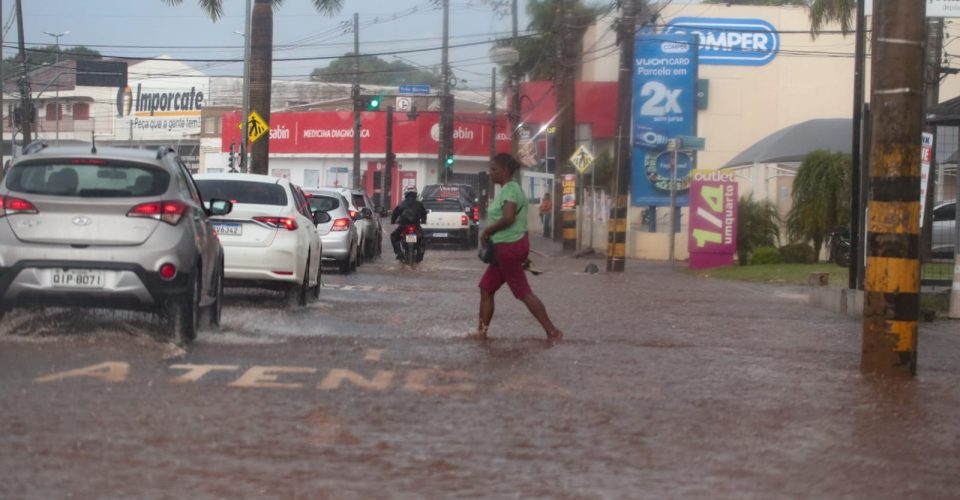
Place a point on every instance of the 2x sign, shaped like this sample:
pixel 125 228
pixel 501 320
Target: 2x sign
pixel 741 42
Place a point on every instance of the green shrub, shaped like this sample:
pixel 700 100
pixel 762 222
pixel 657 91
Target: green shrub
pixel 798 253
pixel 766 255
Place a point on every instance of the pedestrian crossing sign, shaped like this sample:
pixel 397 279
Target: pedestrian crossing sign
pixel 256 127
pixel 581 159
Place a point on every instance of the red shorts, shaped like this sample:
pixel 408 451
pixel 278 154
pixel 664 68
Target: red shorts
pixel 508 268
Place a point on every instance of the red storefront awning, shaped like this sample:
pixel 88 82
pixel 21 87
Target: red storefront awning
pixel 596 104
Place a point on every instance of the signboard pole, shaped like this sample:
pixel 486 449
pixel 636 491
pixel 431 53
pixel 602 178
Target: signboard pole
pixel 673 199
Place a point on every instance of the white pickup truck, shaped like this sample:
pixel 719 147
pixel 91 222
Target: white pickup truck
pixel 447 222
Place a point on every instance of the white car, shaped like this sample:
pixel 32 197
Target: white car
pixel 270 238
pixel 944 230
pixel 367 221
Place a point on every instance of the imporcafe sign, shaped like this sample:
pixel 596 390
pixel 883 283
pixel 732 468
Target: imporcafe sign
pixel 737 42
pixel 664 107
pixel 935 8
pixel 713 219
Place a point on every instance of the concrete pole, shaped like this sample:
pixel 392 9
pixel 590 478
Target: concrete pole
pixel 355 95
pixel 856 212
pixel 444 124
pixel 617 229
pixel 26 103
pixel 493 112
pixel 56 37
pixel 245 113
pixel 892 286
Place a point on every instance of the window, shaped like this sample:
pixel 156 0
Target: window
pixel 88 178
pixel 54 112
pixel 211 125
pixel 81 111
pixel 255 193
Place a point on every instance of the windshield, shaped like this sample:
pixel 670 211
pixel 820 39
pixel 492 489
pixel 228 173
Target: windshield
pixel 254 193
pixel 324 203
pixel 443 205
pixel 88 178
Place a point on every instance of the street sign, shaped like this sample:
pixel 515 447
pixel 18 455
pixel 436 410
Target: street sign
pixel 414 90
pixel 256 127
pixel 581 159
pixel 404 104
pixel 689 142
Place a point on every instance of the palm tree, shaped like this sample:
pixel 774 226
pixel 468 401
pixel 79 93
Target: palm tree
pixel 261 60
pixel 538 55
pixel 757 226
pixel 821 197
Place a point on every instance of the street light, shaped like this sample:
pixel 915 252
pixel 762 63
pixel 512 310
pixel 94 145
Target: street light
pixel 56 37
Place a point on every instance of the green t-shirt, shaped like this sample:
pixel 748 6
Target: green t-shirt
pixel 513 193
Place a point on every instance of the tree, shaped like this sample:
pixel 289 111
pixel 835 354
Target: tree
pixel 374 71
pixel 757 226
pixel 823 12
pixel 821 197
pixel 538 55
pixel 37 57
pixel 261 60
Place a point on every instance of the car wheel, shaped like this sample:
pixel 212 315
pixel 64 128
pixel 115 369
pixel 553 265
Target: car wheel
pixel 355 260
pixel 216 310
pixel 316 289
pixel 361 253
pixel 297 294
pixel 346 265
pixel 182 315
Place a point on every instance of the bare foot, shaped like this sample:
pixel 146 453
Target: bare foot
pixel 480 334
pixel 554 335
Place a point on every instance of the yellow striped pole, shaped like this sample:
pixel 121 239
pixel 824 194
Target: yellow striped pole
pixel 617 225
pixel 892 283
pixel 617 234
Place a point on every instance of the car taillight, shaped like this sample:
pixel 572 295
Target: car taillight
pixel 12 206
pixel 353 214
pixel 476 214
pixel 410 230
pixel 340 225
pixel 166 211
pixel 464 220
pixel 278 222
pixel 168 271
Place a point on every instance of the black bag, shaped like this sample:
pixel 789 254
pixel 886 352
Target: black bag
pixel 486 254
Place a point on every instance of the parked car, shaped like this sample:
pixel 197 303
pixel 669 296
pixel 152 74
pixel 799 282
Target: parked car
pixel 339 236
pixel 363 212
pixel 270 239
pixel 468 198
pixel 113 228
pixel 447 222
pixel 944 230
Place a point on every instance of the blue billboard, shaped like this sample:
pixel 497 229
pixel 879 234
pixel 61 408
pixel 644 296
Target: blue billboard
pixel 664 108
pixel 737 42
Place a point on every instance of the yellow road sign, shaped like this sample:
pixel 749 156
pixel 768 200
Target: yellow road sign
pixel 581 159
pixel 256 127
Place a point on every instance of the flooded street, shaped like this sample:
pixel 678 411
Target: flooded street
pixel 665 386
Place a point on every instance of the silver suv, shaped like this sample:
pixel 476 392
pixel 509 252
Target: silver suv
pixel 115 228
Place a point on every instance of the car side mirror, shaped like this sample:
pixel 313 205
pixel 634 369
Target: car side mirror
pixel 220 207
pixel 320 217
pixel 366 213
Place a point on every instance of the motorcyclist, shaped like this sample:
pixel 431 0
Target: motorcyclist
pixel 409 211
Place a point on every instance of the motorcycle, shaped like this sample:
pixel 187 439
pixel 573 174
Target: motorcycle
pixel 840 246
pixel 412 247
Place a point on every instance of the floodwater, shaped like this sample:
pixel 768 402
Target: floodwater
pixel 665 386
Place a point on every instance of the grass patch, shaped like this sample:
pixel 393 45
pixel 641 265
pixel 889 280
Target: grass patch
pixel 777 274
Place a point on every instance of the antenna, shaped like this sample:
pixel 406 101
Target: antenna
pixel 93 143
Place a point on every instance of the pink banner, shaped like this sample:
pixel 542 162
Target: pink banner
pixel 713 219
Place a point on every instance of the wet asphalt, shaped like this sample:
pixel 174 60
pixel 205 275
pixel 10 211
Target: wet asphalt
pixel 666 386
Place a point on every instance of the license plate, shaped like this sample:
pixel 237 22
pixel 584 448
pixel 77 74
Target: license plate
pixel 228 229
pixel 411 238
pixel 439 235
pixel 77 278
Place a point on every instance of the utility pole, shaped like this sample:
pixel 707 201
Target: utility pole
pixel 892 284
pixel 856 208
pixel 262 59
pixel 445 110
pixel 514 88
pixel 386 192
pixel 493 112
pixel 355 95
pixel 617 231
pixel 56 37
pixel 2 103
pixel 931 97
pixel 566 124
pixel 26 104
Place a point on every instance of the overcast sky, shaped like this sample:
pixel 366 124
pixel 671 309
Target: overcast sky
pixel 146 28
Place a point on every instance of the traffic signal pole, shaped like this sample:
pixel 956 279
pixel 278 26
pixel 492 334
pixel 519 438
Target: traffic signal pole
pixel 444 123
pixel 386 192
pixel 892 284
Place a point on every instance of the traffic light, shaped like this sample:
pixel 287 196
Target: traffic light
pixel 373 104
pixel 448 163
